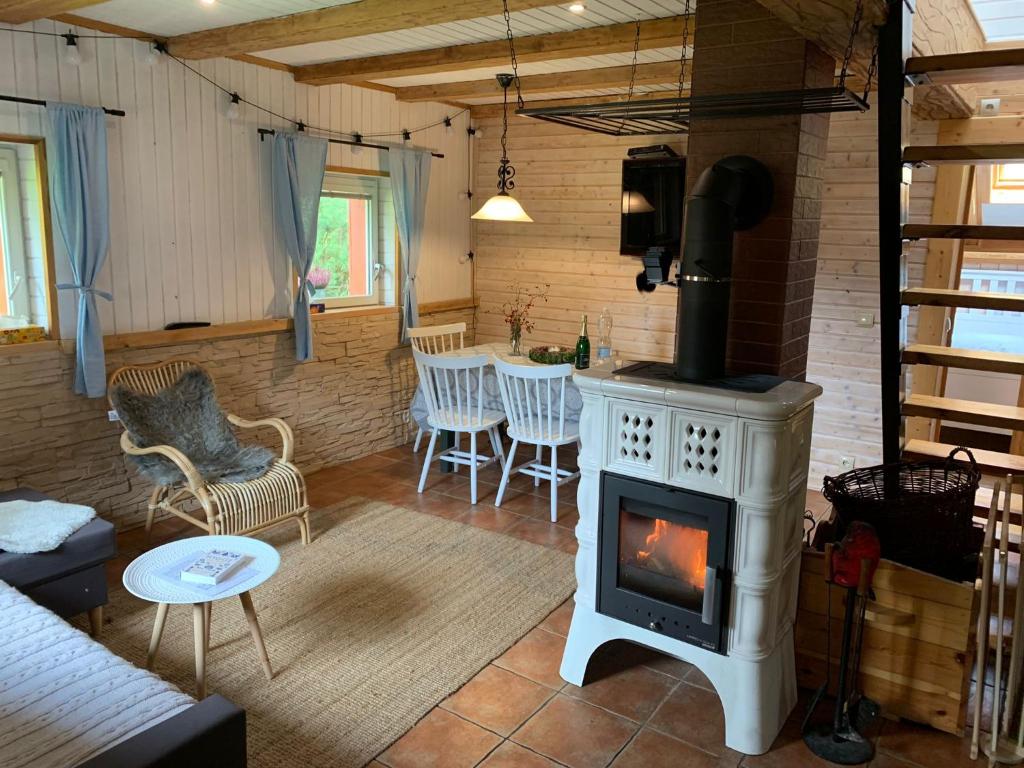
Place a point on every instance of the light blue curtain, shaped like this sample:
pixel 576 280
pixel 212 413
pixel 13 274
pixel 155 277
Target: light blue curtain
pixel 76 155
pixel 298 175
pixel 410 178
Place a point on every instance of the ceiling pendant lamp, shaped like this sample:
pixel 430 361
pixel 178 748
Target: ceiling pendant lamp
pixel 502 206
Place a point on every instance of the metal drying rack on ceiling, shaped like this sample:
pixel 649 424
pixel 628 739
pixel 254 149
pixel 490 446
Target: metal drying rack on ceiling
pixel 650 117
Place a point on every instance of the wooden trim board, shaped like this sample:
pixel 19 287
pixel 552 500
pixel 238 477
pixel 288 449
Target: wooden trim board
pixel 146 339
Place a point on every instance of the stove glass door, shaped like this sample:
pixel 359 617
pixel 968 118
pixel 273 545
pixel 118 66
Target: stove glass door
pixel 665 560
pixel 664 555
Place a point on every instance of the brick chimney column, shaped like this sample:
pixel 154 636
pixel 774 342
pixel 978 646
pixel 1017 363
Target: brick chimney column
pixel 740 47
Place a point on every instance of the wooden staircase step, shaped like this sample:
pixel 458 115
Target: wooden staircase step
pixel 969 359
pixel 983 501
pixel 950 297
pixel 971 154
pixel 966 411
pixel 989 462
pixel 961 231
pixel 971 67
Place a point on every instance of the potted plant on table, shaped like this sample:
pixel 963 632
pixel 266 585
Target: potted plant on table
pixel 517 312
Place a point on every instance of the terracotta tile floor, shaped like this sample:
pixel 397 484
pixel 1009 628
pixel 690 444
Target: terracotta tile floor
pixel 639 709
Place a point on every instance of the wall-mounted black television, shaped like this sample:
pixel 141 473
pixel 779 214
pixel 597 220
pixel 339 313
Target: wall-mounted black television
pixel 652 205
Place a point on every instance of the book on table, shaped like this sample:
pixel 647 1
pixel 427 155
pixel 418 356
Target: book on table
pixel 212 566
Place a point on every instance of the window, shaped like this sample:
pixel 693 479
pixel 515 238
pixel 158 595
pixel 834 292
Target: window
pixel 355 242
pixel 14 275
pixel 26 297
pixel 1009 176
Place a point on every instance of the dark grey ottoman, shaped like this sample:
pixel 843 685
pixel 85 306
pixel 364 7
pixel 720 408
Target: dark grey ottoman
pixel 72 578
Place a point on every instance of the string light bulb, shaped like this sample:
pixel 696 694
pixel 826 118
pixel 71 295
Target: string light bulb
pixel 577 8
pixel 358 139
pixel 406 136
pixel 72 53
pixel 448 129
pixel 234 110
pixel 153 51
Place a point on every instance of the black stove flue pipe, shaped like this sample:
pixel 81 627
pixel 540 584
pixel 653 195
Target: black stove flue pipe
pixel 732 195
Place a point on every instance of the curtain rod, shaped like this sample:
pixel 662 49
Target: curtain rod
pixel 41 103
pixel 270 132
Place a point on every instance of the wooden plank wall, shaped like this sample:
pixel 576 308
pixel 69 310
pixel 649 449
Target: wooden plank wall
pixel 844 356
pixel 570 182
pixel 192 235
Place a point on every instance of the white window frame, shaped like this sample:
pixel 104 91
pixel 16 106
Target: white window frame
pixel 357 187
pixel 15 265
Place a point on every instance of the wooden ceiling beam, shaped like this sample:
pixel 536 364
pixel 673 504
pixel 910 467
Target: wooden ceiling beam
pixel 119 31
pixel 583 79
pixel 22 11
pixel 614 38
pixel 337 22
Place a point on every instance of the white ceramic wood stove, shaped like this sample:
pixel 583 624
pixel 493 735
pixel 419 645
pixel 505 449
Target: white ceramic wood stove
pixel 691 502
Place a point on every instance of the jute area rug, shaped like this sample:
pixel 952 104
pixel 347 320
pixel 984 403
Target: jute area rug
pixel 385 614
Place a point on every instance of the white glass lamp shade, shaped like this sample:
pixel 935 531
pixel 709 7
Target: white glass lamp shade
pixel 501 207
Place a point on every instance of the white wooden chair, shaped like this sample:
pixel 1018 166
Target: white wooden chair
pixel 436 340
pixel 534 398
pixel 241 508
pixel 454 390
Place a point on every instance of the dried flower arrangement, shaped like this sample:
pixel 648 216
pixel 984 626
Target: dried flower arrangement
pixel 517 311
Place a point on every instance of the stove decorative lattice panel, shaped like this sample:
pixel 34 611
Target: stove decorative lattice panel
pixel 636 438
pixel 702 452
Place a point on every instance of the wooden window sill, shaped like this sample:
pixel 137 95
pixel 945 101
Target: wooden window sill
pixel 28 347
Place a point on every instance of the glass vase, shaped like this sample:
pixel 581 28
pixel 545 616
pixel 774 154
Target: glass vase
pixel 515 339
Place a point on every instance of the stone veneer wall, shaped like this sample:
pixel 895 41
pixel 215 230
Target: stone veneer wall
pixel 350 401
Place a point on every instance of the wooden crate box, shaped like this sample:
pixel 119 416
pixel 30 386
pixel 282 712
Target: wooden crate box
pixel 919 641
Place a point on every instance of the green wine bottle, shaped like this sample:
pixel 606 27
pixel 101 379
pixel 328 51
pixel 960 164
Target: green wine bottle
pixel 583 347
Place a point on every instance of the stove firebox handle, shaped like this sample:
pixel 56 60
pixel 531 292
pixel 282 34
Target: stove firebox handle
pixel 707 614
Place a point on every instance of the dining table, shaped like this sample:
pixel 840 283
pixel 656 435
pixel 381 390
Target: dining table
pixel 492 394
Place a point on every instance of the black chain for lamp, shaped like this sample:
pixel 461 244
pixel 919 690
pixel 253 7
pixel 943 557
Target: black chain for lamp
pixel 506 172
pixel 512 54
pixel 682 52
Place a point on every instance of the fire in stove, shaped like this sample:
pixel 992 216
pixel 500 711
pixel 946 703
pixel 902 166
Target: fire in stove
pixel 676 549
pixel 665 560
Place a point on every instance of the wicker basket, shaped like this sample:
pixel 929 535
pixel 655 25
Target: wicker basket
pixel 923 511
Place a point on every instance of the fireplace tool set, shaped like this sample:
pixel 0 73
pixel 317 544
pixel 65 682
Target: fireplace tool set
pixel 1004 745
pixel 851 564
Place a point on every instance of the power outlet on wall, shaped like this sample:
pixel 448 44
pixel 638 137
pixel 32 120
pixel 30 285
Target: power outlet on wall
pixel 865 319
pixel 846 463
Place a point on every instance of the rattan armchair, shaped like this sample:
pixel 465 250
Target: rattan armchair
pixel 241 508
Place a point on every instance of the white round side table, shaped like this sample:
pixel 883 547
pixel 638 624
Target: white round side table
pixel 142 578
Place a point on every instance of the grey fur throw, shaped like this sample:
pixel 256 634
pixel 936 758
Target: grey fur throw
pixel 187 416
